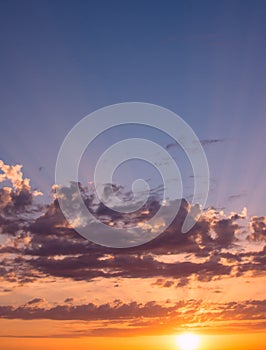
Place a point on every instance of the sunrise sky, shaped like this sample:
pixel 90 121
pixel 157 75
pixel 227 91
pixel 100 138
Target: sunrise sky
pixel 205 61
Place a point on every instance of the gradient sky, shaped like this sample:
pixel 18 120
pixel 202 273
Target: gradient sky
pixel 204 60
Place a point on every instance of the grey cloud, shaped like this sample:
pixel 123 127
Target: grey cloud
pixel 258 226
pixel 204 142
pixel 143 318
pixel 36 301
pixel 36 241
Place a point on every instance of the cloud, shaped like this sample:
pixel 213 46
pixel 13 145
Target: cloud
pixel 86 312
pixel 17 202
pixel 37 243
pixel 87 267
pixel 49 237
pixel 163 283
pixel 14 174
pixel 258 227
pixel 118 318
pixel 236 196
pixel 204 142
pixel 36 302
pixel 32 244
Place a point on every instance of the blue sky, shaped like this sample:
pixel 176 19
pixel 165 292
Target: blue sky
pixel 205 60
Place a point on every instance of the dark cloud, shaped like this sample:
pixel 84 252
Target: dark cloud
pixel 204 142
pixel 69 300
pixel 236 196
pixel 36 241
pixel 87 311
pixel 36 301
pixel 49 236
pixel 183 281
pixel 225 230
pixel 88 267
pixel 144 318
pixel 258 227
pixel 163 283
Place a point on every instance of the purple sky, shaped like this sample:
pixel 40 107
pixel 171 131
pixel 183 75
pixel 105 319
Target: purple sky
pixel 203 60
pixel 61 60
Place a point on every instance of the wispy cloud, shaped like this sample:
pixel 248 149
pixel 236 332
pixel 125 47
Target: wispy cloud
pixel 204 142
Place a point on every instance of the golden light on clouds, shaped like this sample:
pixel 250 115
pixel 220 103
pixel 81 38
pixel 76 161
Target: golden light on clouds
pixel 167 280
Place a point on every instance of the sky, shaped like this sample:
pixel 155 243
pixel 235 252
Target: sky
pixel 203 60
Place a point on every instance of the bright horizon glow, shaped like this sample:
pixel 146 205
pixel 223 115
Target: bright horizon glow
pixel 188 341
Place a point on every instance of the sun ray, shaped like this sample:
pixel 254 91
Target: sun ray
pixel 188 341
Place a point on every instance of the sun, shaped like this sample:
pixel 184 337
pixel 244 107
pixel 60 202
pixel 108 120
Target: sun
pixel 188 341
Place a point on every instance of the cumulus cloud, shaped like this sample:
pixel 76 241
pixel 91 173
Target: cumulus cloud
pixel 14 174
pixel 33 245
pixel 19 195
pixel 258 228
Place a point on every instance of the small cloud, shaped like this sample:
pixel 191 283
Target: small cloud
pixel 258 227
pixel 18 196
pixel 206 142
pixel 69 300
pixel 36 301
pixel 183 281
pixel 236 196
pixel 171 145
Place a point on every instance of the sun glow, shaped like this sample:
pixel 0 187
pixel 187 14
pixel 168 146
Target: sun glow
pixel 188 341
